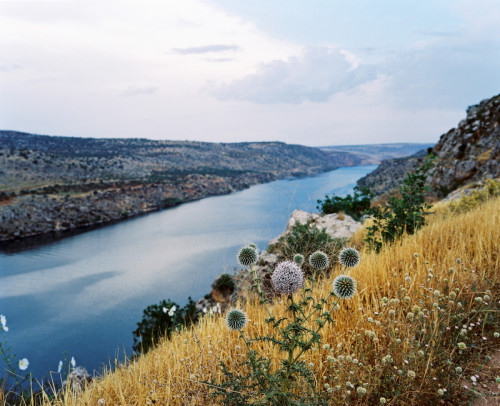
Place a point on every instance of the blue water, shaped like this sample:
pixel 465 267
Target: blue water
pixel 82 296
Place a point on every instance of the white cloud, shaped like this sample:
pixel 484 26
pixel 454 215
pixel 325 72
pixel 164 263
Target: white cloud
pixel 205 49
pixel 138 90
pixel 314 76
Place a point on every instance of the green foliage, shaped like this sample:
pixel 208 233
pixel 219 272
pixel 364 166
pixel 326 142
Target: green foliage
pixel 401 215
pixel 288 381
pixel 305 239
pixel 224 282
pixel 355 205
pixel 161 320
pixel 473 199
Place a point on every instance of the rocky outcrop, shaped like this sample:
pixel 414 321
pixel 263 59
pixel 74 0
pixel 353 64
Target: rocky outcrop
pixel 390 173
pixel 335 225
pixel 468 153
pixel 40 214
pixel 471 151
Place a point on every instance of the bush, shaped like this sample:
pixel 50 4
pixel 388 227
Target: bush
pixel 401 215
pixel 473 199
pixel 161 320
pixel 355 205
pixel 305 239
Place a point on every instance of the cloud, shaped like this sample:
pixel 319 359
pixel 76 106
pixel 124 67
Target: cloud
pixel 315 76
pixel 138 90
pixel 6 67
pixel 205 49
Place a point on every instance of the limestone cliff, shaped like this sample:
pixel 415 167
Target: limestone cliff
pixel 468 153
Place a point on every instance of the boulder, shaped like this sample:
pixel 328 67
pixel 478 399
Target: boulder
pixel 335 225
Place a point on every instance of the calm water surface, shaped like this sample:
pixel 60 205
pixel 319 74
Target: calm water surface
pixel 82 296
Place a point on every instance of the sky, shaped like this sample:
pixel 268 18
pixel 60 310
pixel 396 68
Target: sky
pixel 311 72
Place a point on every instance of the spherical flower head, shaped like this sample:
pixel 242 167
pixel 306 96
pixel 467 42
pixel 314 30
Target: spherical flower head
pixel 236 319
pixel 349 257
pixel 361 391
pixel 23 364
pixel 254 246
pixel 287 277
pixel 319 260
pixel 247 256
pixel 462 346
pixel 344 286
pixel 298 259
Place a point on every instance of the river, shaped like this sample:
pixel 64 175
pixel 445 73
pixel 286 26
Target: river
pixel 82 296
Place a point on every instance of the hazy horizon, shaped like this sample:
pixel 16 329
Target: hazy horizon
pixel 327 73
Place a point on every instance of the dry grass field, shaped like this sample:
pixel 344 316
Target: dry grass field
pixel 420 329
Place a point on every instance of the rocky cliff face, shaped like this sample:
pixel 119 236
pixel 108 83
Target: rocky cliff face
pixel 471 151
pixel 465 154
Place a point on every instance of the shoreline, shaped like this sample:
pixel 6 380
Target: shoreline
pixel 63 225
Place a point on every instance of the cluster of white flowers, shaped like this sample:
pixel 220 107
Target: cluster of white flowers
pixel 3 321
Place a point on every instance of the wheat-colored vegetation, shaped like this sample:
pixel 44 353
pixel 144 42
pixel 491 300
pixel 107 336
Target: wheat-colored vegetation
pixel 398 337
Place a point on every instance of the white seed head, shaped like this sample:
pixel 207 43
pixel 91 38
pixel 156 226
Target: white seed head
pixel 287 277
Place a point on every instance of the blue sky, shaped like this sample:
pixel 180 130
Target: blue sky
pixel 322 72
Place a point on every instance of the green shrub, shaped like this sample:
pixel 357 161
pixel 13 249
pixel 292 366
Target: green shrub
pixel 476 197
pixel 355 205
pixel 401 215
pixel 305 239
pixel 161 320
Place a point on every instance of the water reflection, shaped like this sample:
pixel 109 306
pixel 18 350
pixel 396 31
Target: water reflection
pixel 83 295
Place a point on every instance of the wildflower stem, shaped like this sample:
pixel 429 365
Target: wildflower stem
pixel 11 369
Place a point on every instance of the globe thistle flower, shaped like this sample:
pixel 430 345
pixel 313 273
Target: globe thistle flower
pixel 298 259
pixel 287 277
pixel 23 364
pixel 462 345
pixel 344 286
pixel 319 260
pixel 247 256
pixel 236 319
pixel 383 401
pixel 349 257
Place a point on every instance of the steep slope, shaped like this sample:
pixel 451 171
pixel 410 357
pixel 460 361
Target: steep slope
pixel 465 154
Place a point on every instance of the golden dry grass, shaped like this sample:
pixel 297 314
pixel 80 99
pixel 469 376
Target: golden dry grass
pixel 173 370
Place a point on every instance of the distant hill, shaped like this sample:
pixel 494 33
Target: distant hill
pixel 53 184
pixel 373 154
pixel 468 153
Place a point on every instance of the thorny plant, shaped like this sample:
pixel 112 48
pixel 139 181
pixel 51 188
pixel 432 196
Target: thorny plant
pixel 260 380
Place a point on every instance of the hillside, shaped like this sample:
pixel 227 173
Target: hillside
pixel 53 184
pixel 421 324
pixel 374 154
pixel 468 153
